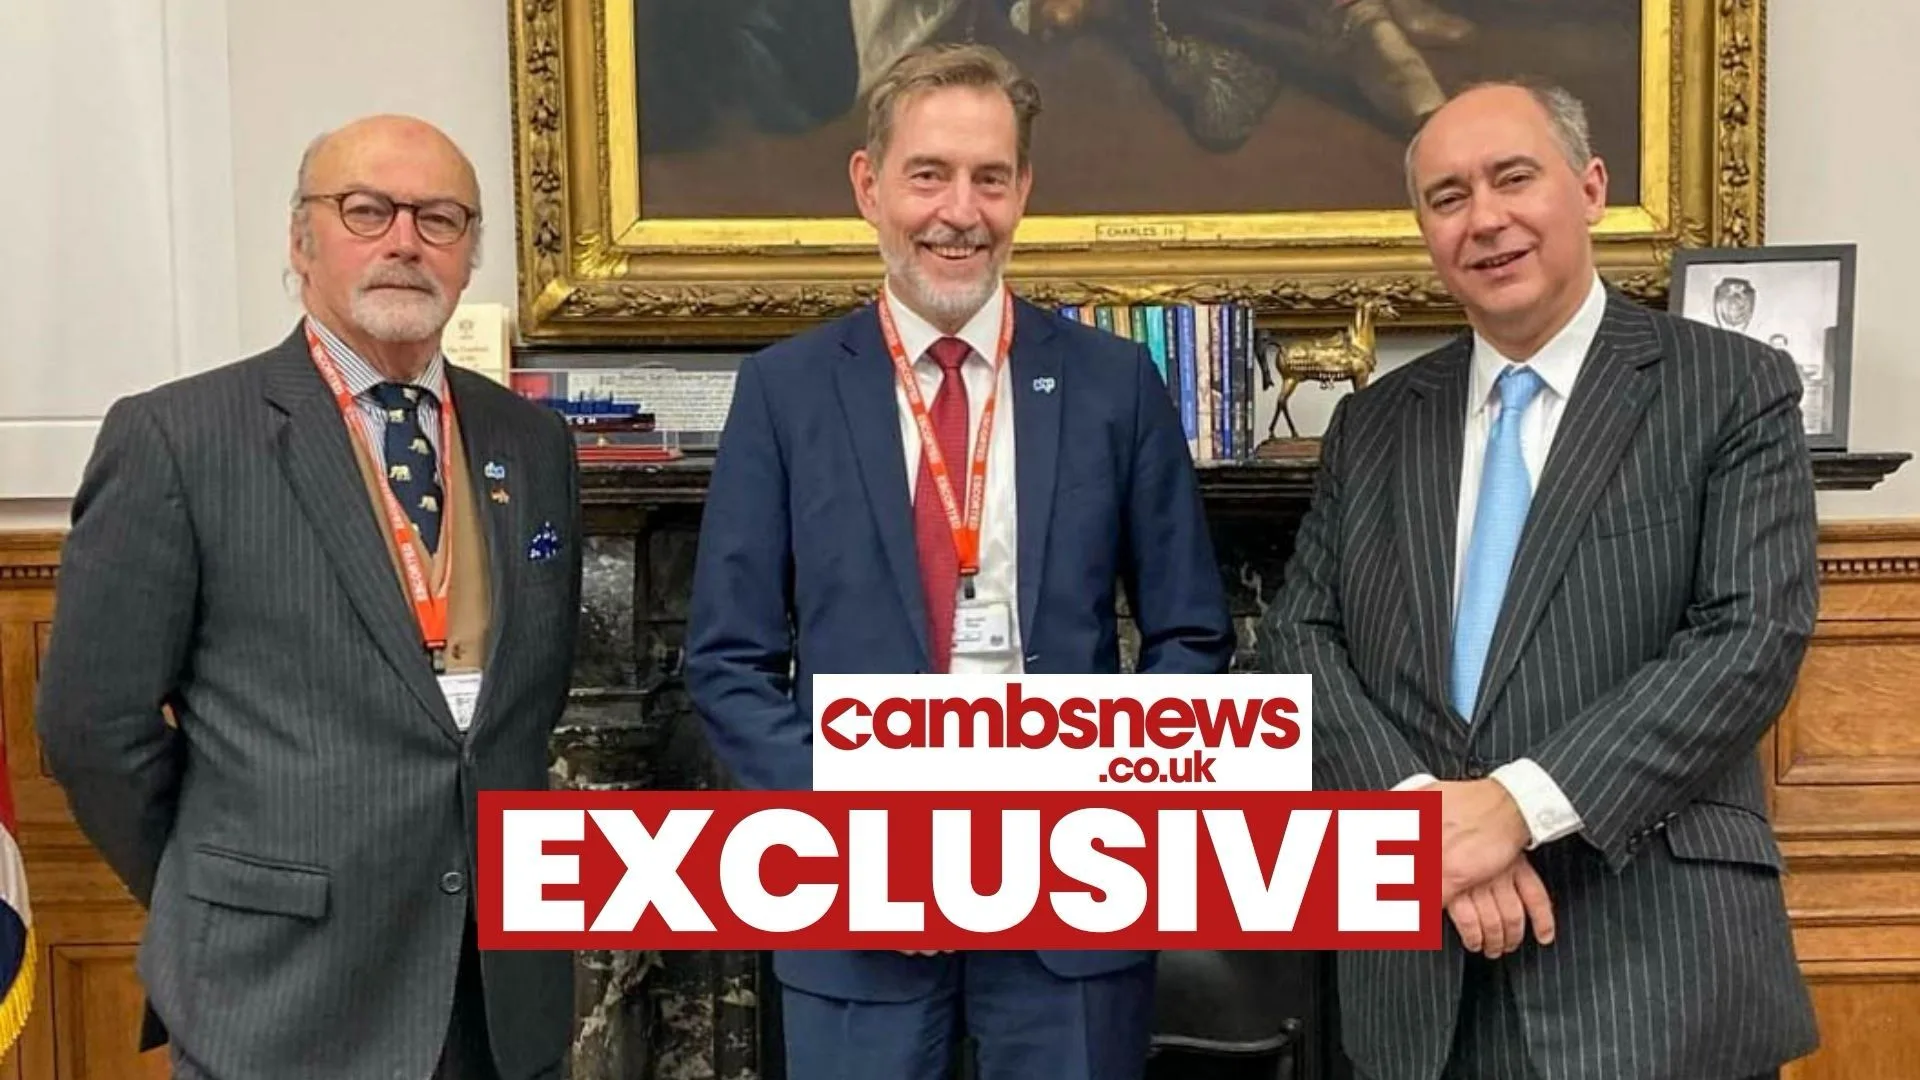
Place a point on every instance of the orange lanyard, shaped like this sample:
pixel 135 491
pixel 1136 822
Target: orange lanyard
pixel 966 532
pixel 429 605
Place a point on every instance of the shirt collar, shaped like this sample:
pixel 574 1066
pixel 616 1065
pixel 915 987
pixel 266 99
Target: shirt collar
pixel 1558 362
pixel 361 376
pixel 981 333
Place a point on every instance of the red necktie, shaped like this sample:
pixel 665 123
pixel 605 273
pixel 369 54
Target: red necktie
pixel 933 534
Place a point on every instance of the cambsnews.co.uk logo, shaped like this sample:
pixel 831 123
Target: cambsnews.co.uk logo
pixel 1061 732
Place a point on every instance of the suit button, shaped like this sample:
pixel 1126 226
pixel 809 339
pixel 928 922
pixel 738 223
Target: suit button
pixel 1476 769
pixel 452 882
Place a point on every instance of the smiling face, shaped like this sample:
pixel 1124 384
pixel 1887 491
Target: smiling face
pixel 945 198
pixel 395 288
pixel 1506 215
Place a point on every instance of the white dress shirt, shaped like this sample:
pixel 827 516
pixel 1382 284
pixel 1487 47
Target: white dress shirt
pixel 1545 807
pixel 999 537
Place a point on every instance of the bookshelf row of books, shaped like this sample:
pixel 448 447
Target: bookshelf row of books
pixel 654 407
pixel 1206 357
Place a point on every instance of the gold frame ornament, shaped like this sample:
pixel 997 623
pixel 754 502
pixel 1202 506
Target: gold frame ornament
pixel 592 269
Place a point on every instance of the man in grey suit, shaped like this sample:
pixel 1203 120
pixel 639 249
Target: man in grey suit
pixel 1564 564
pixel 311 604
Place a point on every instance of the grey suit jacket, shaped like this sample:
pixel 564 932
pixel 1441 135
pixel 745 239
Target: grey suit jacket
pixel 305 837
pixel 1653 626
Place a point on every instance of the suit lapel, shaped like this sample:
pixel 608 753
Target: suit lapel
pixel 483 434
pixel 1036 437
pixel 1430 459
pixel 1612 394
pixel 866 380
pixel 317 456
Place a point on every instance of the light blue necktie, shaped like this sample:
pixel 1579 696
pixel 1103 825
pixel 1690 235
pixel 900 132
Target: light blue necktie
pixel 1498 518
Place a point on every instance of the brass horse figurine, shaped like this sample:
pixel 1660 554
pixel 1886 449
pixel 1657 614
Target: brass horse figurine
pixel 1345 356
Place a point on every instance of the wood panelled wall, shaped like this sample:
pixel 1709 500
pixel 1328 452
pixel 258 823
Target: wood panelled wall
pixel 86 1013
pixel 1845 768
pixel 1846 804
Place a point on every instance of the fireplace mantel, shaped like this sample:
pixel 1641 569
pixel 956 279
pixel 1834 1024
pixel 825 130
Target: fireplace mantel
pixel 1269 484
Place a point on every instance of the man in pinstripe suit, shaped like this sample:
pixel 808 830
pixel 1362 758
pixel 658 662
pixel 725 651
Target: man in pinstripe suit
pixel 311 604
pixel 1564 564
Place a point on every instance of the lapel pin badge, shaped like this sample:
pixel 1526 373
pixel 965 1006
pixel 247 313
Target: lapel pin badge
pixel 496 471
pixel 499 495
pixel 1044 384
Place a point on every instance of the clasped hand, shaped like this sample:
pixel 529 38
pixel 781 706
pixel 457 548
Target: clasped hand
pixel 1490 890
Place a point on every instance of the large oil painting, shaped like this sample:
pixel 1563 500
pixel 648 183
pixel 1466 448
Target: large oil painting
pixel 749 109
pixel 683 162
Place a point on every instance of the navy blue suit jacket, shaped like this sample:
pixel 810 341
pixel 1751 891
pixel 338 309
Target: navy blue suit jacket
pixel 807 561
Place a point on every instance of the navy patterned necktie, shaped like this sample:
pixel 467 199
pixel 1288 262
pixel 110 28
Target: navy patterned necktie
pixel 412 469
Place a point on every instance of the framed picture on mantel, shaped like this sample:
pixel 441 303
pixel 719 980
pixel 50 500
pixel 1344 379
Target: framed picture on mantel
pixel 1799 300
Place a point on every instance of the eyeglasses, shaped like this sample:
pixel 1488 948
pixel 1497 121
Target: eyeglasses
pixel 370 214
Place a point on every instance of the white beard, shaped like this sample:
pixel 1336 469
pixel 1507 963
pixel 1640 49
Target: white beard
pixel 399 317
pixel 950 305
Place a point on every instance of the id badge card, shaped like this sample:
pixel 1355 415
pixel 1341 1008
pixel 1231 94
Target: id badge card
pixel 462 691
pixel 982 628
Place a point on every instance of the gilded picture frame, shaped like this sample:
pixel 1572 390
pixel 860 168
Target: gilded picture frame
pixel 592 268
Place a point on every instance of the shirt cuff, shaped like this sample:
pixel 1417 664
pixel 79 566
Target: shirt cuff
pixel 1548 814
pixel 1418 781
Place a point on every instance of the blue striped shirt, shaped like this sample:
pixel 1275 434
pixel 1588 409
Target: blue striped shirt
pixel 361 377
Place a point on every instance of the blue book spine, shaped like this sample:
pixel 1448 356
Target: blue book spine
pixel 1225 379
pixel 1243 382
pixel 1170 333
pixel 1217 360
pixel 1189 391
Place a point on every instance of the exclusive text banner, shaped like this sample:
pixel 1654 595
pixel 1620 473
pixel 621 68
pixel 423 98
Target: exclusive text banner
pixel 1127 868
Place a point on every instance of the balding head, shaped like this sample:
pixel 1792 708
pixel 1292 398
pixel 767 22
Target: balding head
pixel 334 160
pixel 1564 114
pixel 385 234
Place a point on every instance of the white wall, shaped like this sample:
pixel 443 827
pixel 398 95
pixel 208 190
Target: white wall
pixel 120 246
pixel 301 68
pixel 293 70
pixel 1842 159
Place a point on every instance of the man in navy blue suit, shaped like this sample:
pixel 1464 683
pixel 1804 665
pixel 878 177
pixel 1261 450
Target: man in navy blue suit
pixel 835 540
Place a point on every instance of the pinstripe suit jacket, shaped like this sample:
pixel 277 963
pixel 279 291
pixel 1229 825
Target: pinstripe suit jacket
pixel 296 836
pixel 1653 626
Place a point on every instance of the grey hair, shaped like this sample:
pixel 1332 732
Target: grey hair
pixel 933 67
pixel 302 213
pixel 302 216
pixel 1566 118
